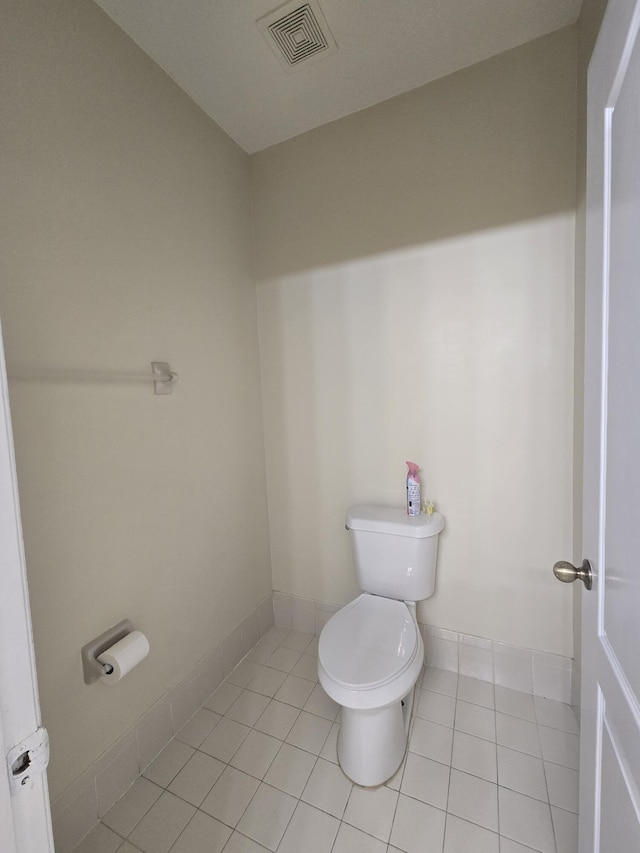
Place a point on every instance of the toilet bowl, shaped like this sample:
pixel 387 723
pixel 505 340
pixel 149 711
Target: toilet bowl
pixel 369 658
pixel 370 652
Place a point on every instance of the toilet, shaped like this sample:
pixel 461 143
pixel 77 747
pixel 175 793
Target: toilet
pixel 370 652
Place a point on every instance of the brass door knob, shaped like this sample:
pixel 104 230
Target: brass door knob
pixel 567 572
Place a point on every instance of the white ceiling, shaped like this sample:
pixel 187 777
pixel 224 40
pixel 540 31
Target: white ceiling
pixel 215 52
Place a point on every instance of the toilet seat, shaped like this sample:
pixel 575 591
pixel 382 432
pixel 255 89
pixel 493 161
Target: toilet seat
pixel 370 653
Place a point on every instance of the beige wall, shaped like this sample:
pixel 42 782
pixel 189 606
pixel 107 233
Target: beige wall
pixel 416 266
pixel 125 236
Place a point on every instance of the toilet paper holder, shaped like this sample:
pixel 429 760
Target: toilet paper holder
pixel 91 666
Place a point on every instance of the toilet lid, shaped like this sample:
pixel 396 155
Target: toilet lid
pixel 368 642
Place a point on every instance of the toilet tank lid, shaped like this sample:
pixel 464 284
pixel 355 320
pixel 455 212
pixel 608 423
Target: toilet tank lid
pixel 393 520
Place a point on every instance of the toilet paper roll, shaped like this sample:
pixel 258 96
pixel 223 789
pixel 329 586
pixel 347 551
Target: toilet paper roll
pixel 124 655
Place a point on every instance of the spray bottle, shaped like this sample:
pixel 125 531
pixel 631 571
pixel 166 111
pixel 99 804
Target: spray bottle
pixel 413 490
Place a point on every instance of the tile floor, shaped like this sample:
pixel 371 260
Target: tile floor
pixel 489 770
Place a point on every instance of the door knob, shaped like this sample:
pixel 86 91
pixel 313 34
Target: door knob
pixel 567 572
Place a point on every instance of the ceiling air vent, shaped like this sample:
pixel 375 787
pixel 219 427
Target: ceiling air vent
pixel 298 34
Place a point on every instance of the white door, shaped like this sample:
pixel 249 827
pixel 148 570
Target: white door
pixel 610 754
pixel 25 820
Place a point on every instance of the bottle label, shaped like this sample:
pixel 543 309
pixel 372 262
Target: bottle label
pixel 413 499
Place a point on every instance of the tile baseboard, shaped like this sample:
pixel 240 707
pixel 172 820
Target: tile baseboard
pixel 526 670
pixel 77 809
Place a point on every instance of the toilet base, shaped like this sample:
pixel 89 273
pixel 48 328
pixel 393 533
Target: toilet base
pixel 372 743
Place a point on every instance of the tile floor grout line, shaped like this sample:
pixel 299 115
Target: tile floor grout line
pixel 497 777
pixel 444 834
pixel 143 815
pixel 498 790
pixel 403 767
pixel 546 782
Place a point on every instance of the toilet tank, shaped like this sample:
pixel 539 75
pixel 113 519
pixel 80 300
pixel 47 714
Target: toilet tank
pixel 395 555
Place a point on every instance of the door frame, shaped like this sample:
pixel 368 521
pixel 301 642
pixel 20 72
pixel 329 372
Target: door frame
pixel 25 816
